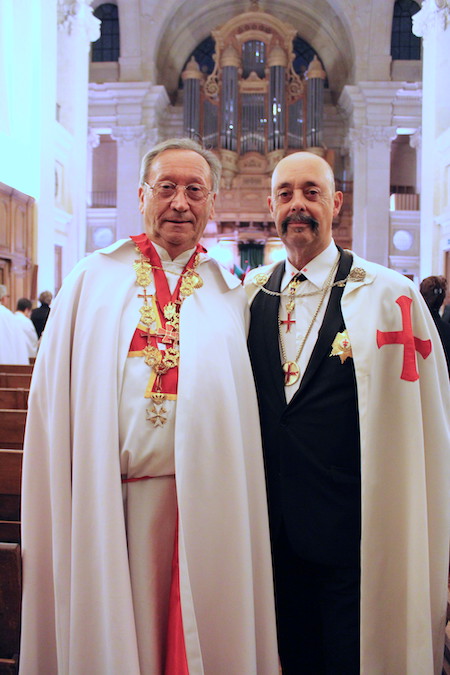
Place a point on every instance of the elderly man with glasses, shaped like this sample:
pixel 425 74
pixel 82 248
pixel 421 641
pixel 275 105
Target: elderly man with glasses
pixel 145 535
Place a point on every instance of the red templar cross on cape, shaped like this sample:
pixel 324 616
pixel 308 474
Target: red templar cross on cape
pixel 406 337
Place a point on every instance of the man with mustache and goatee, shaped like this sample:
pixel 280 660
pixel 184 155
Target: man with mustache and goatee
pixel 354 399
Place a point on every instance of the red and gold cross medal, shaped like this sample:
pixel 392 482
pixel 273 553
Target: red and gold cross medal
pixel 291 373
pixel 157 335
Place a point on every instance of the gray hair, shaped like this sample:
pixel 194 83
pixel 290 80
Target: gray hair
pixel 3 291
pixel 182 144
pixel 45 298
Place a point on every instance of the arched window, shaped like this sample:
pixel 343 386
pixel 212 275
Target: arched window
pixel 304 54
pixel 106 48
pixel 404 44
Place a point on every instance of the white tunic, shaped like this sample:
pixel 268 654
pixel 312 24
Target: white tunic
pixel 150 505
pixel 78 594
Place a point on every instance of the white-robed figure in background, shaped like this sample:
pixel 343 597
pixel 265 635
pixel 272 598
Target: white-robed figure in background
pixel 13 348
pixel 23 314
pixel 145 534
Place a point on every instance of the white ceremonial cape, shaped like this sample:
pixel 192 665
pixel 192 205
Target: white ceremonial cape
pixel 77 603
pixel 13 348
pixel 405 475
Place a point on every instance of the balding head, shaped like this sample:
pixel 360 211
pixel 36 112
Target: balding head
pixel 298 159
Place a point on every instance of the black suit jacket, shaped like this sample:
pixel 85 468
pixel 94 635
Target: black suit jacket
pixel 444 334
pixel 39 318
pixel 311 445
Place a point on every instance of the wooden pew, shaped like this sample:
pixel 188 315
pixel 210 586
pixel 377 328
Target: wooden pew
pixel 10 487
pixel 446 668
pixel 15 380
pixel 10 563
pixel 12 428
pixel 10 606
pixel 13 368
pixel 14 399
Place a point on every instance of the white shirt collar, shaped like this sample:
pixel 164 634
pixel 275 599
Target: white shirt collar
pixel 316 271
pixel 179 261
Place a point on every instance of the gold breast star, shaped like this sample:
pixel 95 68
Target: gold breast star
pixel 341 346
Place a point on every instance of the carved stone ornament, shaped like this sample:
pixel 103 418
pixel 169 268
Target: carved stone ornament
pixel 78 14
pixel 433 16
pixel 415 140
pixel 124 135
pixel 368 136
pixel 93 138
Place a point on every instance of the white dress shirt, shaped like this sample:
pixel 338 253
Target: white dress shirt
pixel 316 273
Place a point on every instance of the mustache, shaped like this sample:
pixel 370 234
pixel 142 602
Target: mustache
pixel 302 218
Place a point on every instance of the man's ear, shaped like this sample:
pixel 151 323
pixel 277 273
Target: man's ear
pixel 212 212
pixel 269 204
pixel 141 195
pixel 337 202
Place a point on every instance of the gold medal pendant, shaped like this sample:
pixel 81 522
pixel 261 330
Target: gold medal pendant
pixel 191 281
pixel 157 414
pixel 291 373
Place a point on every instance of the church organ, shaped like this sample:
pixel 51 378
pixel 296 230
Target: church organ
pixel 254 108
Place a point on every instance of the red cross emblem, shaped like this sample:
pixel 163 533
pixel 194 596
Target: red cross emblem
pixel 406 337
pixel 288 323
pixel 168 334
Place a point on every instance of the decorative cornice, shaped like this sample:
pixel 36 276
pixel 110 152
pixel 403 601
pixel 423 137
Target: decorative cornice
pixel 434 16
pixel 367 136
pixel 78 14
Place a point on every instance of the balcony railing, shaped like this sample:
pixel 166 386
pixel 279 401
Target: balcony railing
pixel 103 199
pixel 405 202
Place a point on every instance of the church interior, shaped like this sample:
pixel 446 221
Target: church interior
pixel 361 84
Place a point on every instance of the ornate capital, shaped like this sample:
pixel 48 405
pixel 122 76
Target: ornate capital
pixel 151 137
pixel 433 17
pixel 135 135
pixel 93 138
pixel 368 136
pixel 77 14
pixel 415 140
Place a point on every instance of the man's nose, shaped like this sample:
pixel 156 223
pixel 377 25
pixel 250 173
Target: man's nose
pixel 179 200
pixel 298 201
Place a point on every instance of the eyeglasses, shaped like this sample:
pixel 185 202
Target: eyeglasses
pixel 167 190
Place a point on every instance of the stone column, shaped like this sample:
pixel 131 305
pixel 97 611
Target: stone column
pixel 371 154
pixel 432 23
pixel 129 140
pixel 415 141
pixel 77 28
pixel 369 108
pixel 93 142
